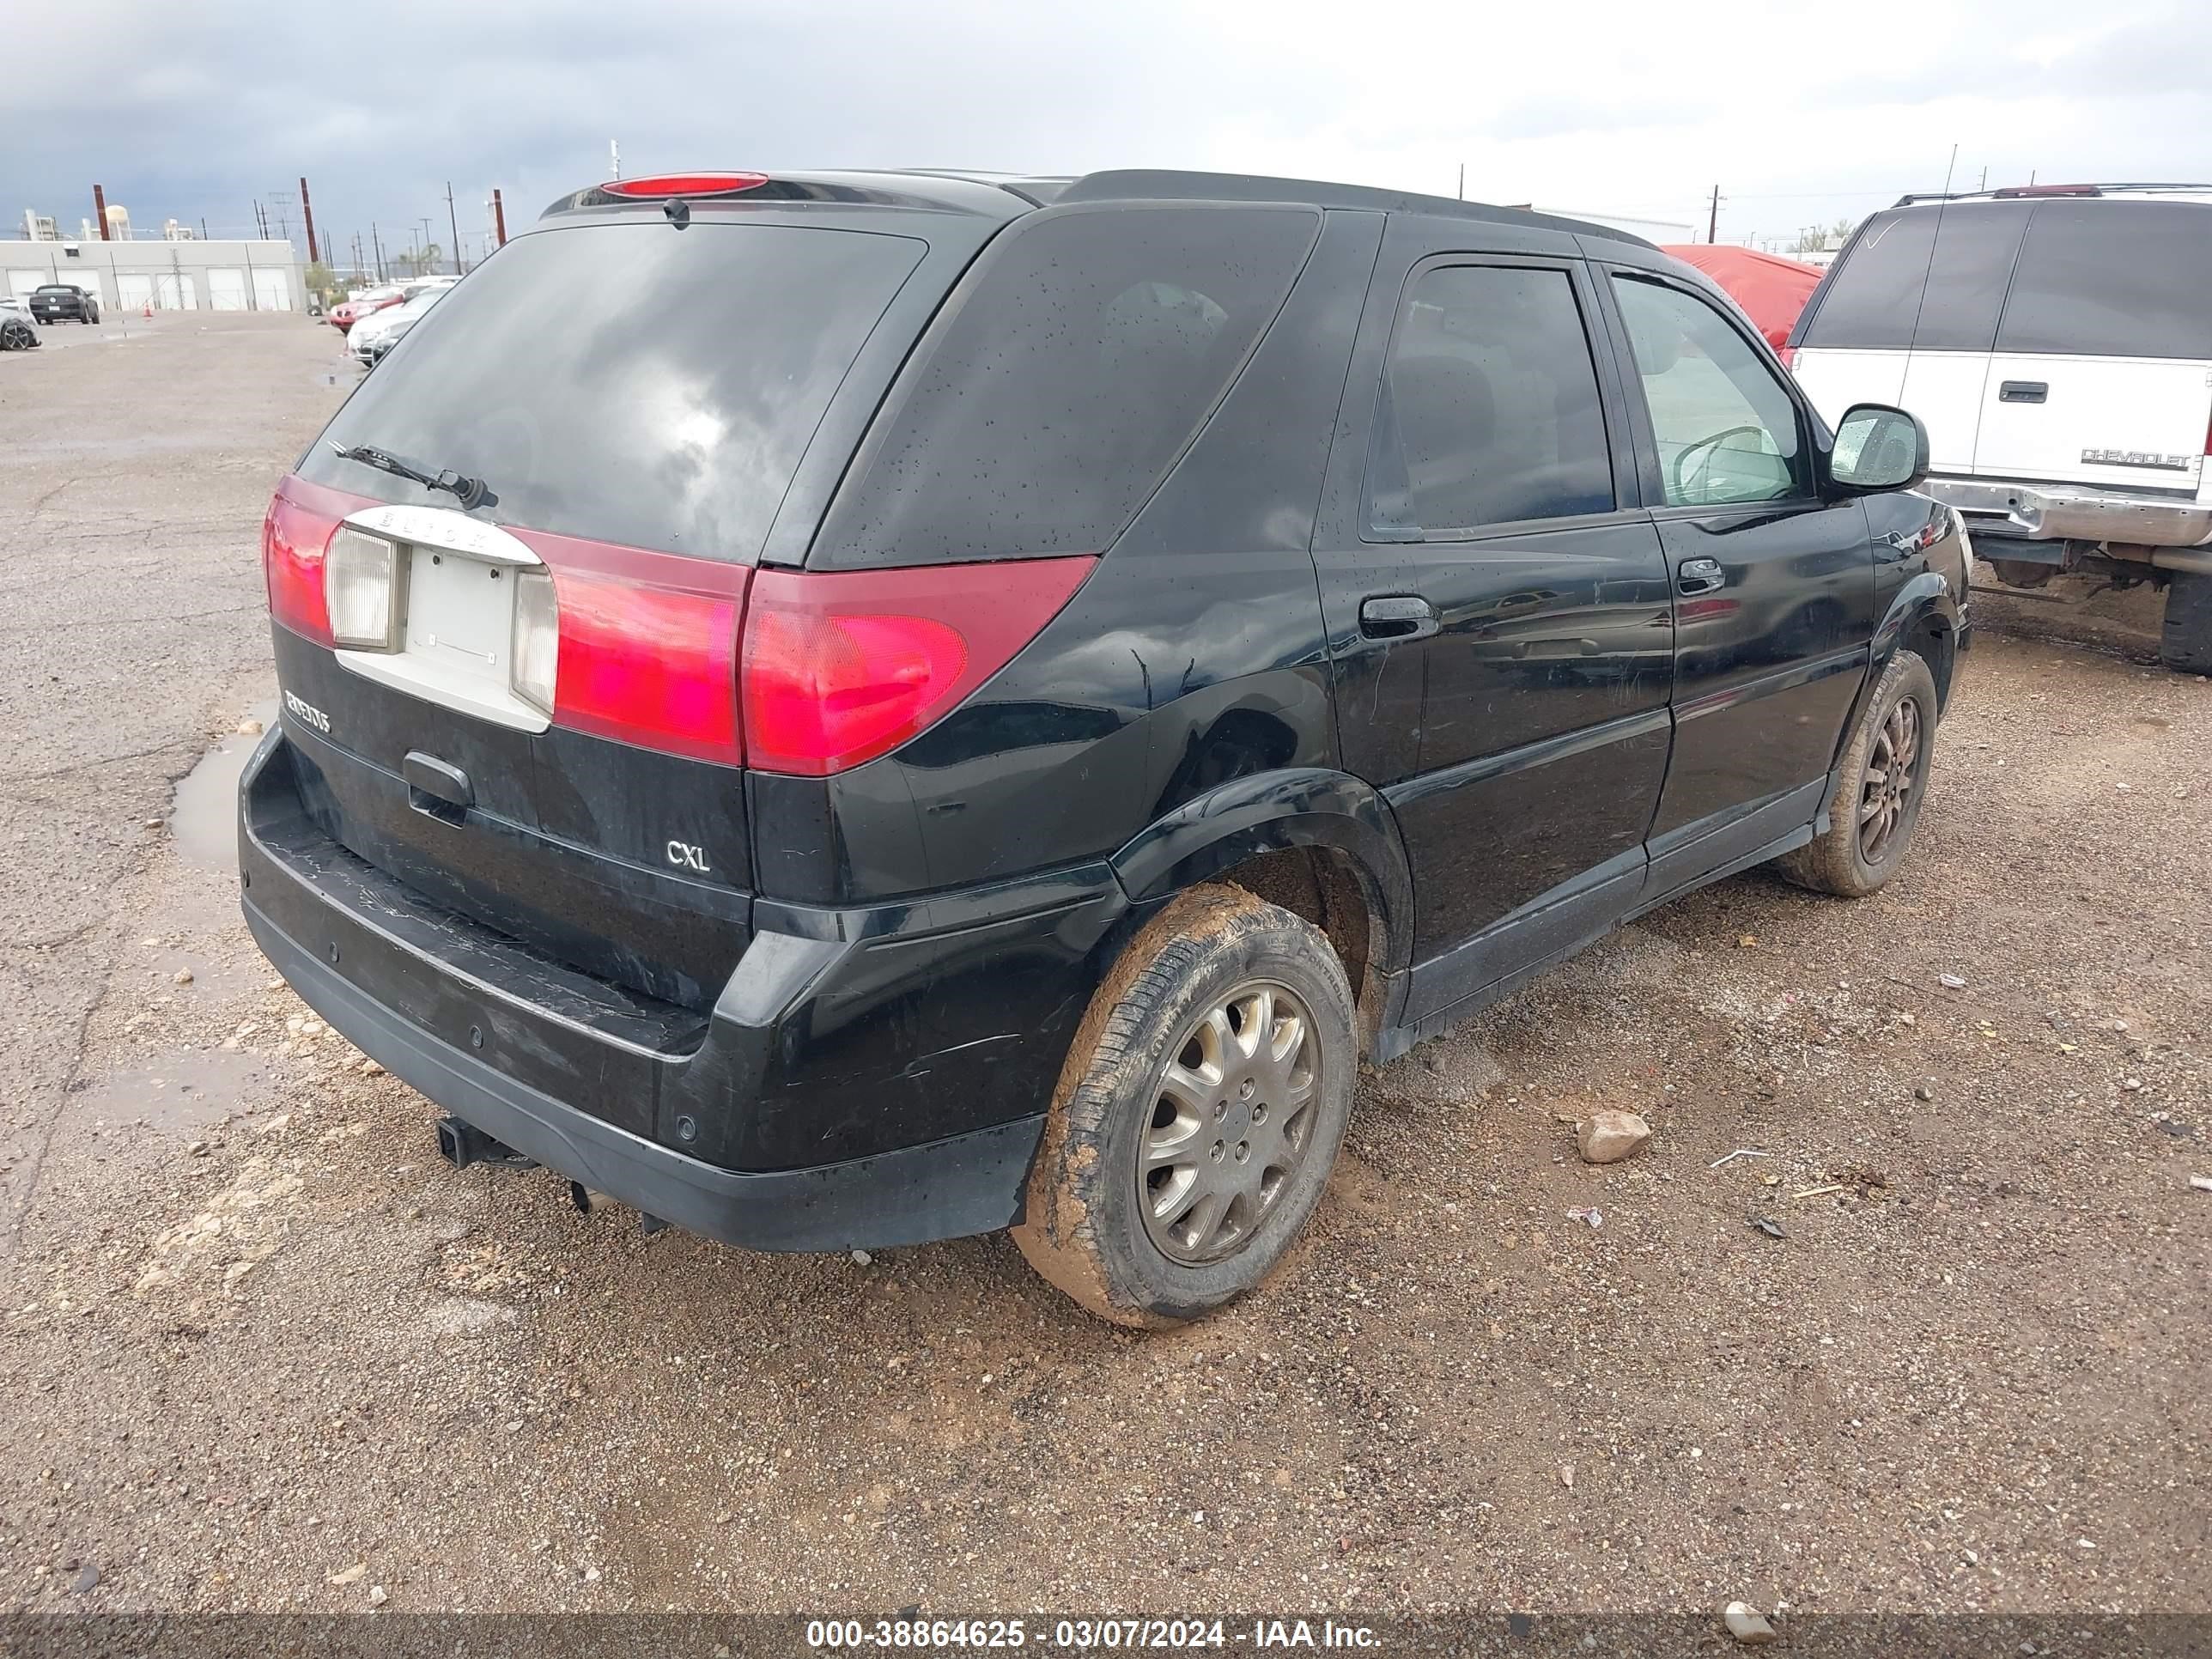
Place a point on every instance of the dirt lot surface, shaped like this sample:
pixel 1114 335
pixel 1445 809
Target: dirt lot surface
pixel 259 1349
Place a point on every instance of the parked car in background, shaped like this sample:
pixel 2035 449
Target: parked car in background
pixel 966 703
pixel 1771 290
pixel 18 330
pixel 345 314
pixel 369 339
pixel 2057 342
pixel 63 302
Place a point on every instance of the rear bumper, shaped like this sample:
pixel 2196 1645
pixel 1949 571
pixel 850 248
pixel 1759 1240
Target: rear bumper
pixel 2065 513
pixel 968 1184
pixel 865 1078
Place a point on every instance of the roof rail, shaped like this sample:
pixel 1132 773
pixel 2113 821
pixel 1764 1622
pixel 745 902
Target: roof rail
pixel 2035 193
pixel 1170 184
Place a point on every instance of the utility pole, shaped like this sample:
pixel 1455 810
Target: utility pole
pixel 1713 218
pixel 307 212
pixel 455 224
pixel 99 212
pixel 614 159
pixel 498 217
pixel 376 247
pixel 1985 184
pixel 1463 181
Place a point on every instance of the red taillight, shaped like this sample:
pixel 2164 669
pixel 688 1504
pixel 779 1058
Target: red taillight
pixel 648 646
pixel 839 667
pixel 685 184
pixel 294 536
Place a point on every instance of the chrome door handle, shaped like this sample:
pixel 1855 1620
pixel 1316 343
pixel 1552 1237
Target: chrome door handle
pixel 1699 575
pixel 1397 616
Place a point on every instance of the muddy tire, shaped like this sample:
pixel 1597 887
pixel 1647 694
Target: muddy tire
pixel 1197 1113
pixel 1881 782
pixel 2185 645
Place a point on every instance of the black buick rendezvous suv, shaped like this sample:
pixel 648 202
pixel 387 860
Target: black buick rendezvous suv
pixel 847 709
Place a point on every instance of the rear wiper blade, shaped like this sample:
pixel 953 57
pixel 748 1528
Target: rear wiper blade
pixel 471 491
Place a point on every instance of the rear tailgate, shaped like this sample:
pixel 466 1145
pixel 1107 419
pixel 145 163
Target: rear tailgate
pixel 2126 423
pixel 640 401
pixel 2102 373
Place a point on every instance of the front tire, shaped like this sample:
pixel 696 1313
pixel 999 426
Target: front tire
pixel 1881 782
pixel 1198 1114
pixel 2185 645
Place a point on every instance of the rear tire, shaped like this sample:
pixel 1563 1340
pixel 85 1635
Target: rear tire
pixel 2185 645
pixel 1197 1113
pixel 1881 782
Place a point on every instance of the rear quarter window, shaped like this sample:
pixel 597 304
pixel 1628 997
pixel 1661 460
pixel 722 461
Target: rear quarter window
pixel 1070 368
pixel 1924 279
pixel 2113 279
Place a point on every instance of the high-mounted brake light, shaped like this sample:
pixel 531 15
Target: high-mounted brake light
pixel 685 184
pixel 840 667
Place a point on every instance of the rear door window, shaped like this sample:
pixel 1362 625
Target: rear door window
pixel 2107 278
pixel 1490 412
pixel 1068 371
pixel 628 383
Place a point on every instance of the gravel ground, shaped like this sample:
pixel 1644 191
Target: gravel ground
pixel 259 1349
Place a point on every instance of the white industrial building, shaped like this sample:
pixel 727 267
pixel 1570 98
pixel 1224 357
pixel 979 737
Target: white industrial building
pixel 176 272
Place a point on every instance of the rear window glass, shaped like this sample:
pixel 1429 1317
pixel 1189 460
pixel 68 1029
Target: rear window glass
pixel 1072 367
pixel 1943 271
pixel 2113 278
pixel 1976 244
pixel 627 383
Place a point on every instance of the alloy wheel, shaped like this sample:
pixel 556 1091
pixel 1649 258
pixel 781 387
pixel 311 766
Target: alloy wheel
pixel 1231 1118
pixel 1892 772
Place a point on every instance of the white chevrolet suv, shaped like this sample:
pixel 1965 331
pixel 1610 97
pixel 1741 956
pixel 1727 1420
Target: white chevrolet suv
pixel 2056 343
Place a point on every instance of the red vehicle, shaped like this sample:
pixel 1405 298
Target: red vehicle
pixel 347 313
pixel 1770 289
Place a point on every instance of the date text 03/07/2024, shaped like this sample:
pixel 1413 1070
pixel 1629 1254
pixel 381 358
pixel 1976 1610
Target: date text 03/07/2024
pixel 1085 1635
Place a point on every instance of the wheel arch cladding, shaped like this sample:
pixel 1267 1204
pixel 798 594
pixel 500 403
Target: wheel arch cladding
pixel 1922 617
pixel 1320 843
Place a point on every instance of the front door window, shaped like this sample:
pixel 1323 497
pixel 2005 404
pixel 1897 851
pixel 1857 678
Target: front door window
pixel 1726 427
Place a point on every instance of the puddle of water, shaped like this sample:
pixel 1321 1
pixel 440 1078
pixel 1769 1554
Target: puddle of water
pixel 189 1090
pixel 204 820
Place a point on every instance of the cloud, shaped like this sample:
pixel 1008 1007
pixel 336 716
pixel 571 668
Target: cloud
pixel 1799 112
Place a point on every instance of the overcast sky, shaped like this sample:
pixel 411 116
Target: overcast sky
pixel 1800 113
